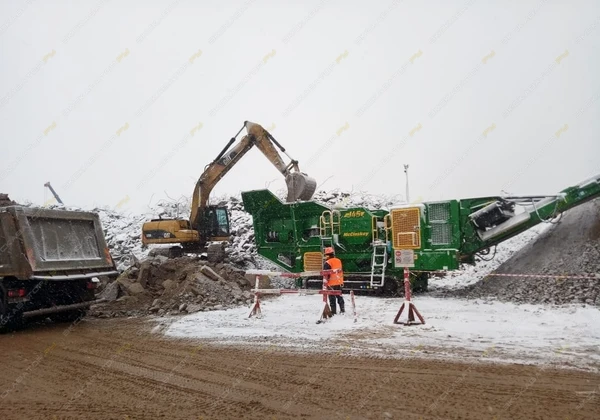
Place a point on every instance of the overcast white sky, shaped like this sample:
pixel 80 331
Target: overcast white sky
pixel 100 97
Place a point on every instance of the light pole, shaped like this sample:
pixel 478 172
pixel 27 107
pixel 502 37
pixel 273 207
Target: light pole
pixel 406 172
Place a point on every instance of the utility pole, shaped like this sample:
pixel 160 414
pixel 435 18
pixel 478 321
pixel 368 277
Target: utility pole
pixel 406 172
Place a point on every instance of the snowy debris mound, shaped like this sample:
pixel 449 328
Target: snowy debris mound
pixel 357 199
pixel 242 249
pixel 571 247
pixel 164 286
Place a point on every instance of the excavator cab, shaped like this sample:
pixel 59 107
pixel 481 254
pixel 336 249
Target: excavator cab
pixel 215 224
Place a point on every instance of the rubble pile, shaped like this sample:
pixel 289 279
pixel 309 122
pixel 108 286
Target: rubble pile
pixel 242 250
pixel 571 247
pixel 357 199
pixel 163 286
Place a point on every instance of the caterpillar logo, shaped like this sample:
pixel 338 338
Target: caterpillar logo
pixel 355 234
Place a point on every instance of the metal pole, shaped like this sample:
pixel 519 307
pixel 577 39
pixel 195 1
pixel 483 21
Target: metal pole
pixel 47 184
pixel 406 172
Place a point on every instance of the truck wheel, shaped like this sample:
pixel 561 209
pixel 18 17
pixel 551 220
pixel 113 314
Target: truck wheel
pixel 10 321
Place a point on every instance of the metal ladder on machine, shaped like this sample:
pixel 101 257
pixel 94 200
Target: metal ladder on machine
pixel 379 259
pixel 329 229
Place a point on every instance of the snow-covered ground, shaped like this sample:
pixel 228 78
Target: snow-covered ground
pixel 537 334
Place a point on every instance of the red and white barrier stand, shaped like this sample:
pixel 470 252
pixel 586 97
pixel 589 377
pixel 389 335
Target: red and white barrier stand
pixel 410 307
pixel 256 306
pixel 324 291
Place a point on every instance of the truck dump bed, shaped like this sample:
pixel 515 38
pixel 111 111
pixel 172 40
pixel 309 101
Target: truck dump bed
pixel 38 243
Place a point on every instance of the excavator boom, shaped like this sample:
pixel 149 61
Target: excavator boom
pixel 300 186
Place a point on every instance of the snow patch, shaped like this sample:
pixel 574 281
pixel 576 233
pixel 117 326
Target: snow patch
pixel 454 328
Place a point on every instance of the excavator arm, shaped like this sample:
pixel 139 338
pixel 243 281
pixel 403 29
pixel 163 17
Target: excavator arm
pixel 300 186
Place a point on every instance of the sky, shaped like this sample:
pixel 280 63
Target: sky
pixel 123 103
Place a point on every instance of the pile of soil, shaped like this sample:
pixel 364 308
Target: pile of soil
pixel 571 247
pixel 163 286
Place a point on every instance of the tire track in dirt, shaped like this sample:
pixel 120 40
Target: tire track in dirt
pixel 158 377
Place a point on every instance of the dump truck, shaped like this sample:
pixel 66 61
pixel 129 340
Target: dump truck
pixel 376 245
pixel 50 263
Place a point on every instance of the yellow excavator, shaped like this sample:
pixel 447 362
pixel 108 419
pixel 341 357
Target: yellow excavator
pixel 210 224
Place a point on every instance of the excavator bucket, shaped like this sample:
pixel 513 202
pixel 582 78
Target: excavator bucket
pixel 300 187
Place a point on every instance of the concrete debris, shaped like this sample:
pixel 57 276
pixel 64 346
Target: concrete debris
pixel 136 289
pixel 110 293
pixel 209 272
pixel 174 286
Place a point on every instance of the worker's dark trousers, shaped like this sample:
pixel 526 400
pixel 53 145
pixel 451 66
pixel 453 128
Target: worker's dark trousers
pixel 340 300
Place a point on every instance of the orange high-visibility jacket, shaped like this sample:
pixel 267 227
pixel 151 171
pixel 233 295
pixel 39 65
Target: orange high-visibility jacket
pixel 335 279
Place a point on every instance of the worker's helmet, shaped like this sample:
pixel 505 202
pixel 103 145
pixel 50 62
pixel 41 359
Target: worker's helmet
pixel 329 251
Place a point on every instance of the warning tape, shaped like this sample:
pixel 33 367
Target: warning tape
pixel 566 276
pixel 325 272
pixel 296 292
pixel 292 275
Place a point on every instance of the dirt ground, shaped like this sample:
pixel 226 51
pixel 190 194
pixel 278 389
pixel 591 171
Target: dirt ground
pixel 121 369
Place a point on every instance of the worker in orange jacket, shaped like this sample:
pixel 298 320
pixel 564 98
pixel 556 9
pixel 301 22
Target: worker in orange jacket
pixel 335 281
